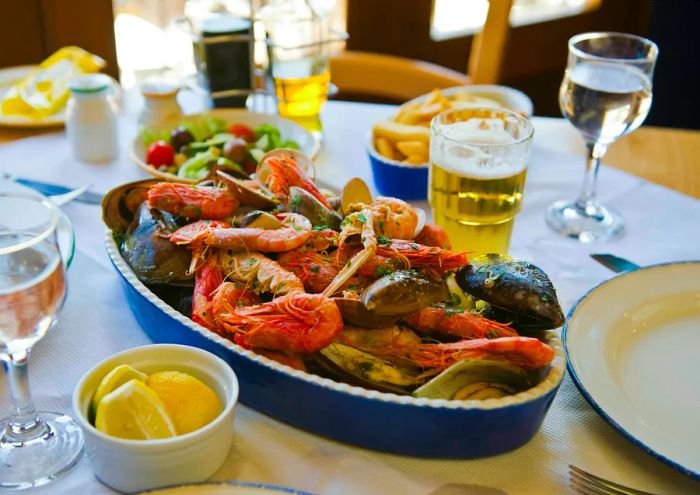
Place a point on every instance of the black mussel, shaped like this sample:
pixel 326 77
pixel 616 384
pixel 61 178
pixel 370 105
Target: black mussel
pixel 120 204
pixel 526 326
pixel 512 284
pixel 152 257
pixel 355 313
pixel 260 219
pixel 476 379
pixel 403 292
pixel 304 203
pixel 368 370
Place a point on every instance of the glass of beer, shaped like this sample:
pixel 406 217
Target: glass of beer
pixel 477 173
pixel 298 42
pixel 606 93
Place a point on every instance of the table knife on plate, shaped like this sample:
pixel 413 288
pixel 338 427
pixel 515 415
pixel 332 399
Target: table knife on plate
pixel 49 189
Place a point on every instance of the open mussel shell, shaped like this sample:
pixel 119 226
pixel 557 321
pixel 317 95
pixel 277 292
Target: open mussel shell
pixel 368 370
pixel 476 379
pixel 120 204
pixel 152 257
pixel 261 220
pixel 422 216
pixel 304 203
pixel 512 284
pixel 355 191
pixel 403 292
pixel 262 171
pixel 246 194
pixel 355 313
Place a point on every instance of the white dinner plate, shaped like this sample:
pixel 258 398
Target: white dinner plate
pixel 65 235
pixel 633 349
pixel 9 76
pixel 226 488
pixel 288 130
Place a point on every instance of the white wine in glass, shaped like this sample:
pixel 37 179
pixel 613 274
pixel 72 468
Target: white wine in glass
pixel 35 447
pixel 606 93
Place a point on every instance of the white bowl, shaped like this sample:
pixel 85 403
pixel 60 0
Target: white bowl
pixel 288 130
pixel 135 465
pixel 511 98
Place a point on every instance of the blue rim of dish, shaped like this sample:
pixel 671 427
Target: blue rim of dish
pixel 589 398
pixel 550 382
pixel 243 484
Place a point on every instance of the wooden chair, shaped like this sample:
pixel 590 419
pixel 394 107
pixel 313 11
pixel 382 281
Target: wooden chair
pixel 397 78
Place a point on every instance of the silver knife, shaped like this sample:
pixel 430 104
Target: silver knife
pixel 614 263
pixel 49 189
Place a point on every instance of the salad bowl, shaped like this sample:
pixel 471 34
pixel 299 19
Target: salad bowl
pixel 288 131
pixel 376 420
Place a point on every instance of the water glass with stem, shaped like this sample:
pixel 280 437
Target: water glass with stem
pixel 606 93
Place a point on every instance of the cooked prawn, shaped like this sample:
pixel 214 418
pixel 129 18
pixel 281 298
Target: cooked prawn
pixel 198 202
pixel 394 218
pixel 259 273
pixel 294 323
pixel 284 173
pixel 397 343
pixel 434 235
pixel 295 231
pixel 457 322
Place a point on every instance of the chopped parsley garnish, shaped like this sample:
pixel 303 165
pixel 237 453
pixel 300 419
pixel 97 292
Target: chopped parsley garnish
pixel 361 217
pixel 382 270
pixel 320 227
pixel 382 239
pixel 314 268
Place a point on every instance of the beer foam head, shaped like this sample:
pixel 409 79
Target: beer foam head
pixel 468 152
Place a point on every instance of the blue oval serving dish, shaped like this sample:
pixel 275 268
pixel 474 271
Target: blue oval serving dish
pixel 375 420
pixel 396 179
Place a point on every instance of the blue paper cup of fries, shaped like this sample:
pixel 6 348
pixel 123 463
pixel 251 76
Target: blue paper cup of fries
pixel 395 178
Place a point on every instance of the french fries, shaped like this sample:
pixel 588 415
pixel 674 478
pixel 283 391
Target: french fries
pixel 406 136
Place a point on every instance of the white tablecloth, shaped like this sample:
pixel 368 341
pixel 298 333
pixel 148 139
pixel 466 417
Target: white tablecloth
pixel 662 226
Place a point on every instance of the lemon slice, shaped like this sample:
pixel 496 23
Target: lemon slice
pixel 112 380
pixel 135 412
pixel 190 403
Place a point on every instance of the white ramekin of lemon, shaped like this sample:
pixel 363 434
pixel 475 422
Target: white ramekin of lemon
pixel 156 415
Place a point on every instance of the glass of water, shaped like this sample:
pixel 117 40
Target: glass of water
pixel 34 447
pixel 606 93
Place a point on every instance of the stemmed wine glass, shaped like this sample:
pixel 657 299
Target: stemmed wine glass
pixel 606 93
pixel 34 448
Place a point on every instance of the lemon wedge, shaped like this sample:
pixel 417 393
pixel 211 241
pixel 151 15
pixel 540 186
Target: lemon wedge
pixel 190 403
pixel 135 412
pixel 112 380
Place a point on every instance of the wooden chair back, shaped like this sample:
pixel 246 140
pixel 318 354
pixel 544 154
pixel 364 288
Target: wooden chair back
pixel 398 78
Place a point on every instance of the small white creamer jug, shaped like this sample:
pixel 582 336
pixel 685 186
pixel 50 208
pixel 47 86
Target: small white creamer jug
pixel 91 119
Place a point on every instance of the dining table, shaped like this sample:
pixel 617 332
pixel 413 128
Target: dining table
pixel 651 177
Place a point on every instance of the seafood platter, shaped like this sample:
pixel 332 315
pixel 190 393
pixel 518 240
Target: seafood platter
pixel 341 313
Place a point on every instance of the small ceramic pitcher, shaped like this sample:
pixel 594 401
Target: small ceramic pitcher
pixel 160 103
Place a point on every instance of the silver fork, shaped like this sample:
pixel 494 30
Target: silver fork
pixel 589 484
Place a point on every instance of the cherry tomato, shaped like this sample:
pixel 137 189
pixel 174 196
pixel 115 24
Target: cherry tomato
pixel 242 131
pixel 160 153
